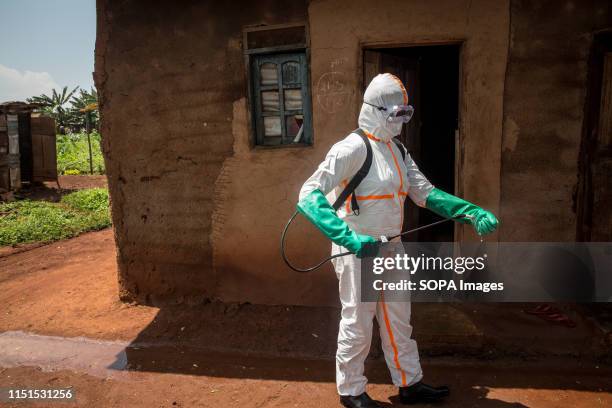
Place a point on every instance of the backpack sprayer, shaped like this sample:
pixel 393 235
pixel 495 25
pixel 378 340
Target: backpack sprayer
pixel 348 192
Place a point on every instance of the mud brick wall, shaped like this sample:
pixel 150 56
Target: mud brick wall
pixel 544 104
pixel 168 74
pixel 198 211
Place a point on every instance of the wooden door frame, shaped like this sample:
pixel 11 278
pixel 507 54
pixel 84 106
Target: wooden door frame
pixel 601 43
pixel 460 43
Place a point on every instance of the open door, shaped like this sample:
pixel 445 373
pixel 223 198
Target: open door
pixel 431 77
pixel 594 193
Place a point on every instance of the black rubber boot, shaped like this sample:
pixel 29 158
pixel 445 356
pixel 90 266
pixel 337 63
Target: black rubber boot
pixel 360 401
pixel 420 392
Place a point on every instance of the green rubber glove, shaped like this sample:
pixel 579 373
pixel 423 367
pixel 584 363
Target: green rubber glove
pixel 449 206
pixel 317 210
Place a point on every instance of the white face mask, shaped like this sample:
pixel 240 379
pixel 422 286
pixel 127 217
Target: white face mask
pixel 395 128
pixel 386 91
pixel 386 130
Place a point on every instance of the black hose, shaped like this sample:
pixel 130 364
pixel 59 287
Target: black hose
pixel 295 268
pixel 433 224
pixel 329 258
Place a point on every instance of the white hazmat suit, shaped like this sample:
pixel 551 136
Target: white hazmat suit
pixel 381 198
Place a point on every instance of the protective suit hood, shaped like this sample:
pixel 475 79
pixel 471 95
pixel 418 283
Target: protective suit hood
pixel 384 90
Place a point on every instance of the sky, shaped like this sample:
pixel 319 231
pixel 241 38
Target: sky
pixel 45 44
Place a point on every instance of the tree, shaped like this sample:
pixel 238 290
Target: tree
pixel 84 108
pixel 54 105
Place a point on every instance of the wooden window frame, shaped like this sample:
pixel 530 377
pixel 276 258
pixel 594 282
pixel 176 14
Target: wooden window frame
pixel 278 55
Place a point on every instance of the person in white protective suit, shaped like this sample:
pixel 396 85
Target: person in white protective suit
pixel 380 196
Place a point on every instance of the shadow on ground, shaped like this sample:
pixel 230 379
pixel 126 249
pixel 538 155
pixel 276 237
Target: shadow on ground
pixel 512 351
pixel 54 191
pixel 43 192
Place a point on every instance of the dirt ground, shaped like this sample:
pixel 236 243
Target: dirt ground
pixel 218 355
pixel 51 191
pixel 486 386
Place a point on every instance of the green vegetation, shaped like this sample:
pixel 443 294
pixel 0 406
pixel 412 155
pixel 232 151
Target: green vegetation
pixel 73 154
pixel 54 104
pixel 76 113
pixel 42 221
pixel 73 111
pixel 91 199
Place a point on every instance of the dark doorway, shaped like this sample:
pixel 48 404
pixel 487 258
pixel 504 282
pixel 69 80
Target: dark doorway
pixel 431 77
pixel 594 192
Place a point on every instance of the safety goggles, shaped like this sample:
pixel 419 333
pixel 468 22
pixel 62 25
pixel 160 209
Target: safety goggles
pixel 396 113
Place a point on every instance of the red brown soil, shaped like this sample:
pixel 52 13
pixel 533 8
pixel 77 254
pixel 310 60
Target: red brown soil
pixel 484 386
pixel 83 181
pixel 69 289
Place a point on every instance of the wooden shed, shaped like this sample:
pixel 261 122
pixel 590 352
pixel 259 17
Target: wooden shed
pixel 27 146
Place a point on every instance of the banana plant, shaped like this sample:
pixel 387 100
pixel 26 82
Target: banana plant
pixel 54 105
pixel 84 108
